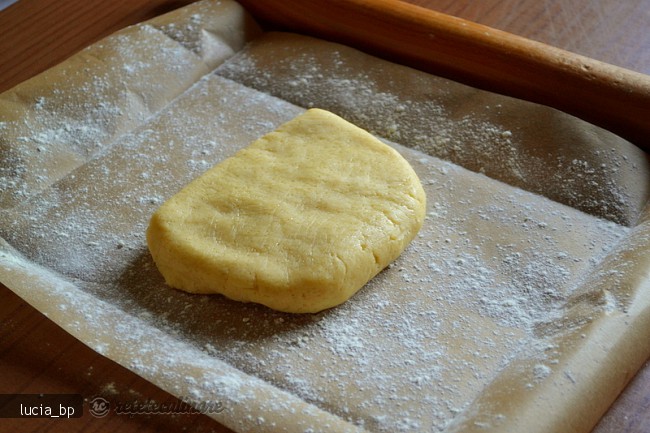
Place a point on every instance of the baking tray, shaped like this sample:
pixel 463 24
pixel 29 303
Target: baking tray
pixel 621 310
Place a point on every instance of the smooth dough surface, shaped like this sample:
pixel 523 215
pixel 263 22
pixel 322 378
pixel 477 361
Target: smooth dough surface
pixel 299 220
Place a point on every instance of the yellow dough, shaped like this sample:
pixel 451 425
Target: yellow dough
pixel 299 220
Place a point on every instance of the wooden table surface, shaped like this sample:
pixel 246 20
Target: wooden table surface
pixel 36 356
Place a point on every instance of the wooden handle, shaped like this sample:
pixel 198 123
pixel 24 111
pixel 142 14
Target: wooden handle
pixel 611 97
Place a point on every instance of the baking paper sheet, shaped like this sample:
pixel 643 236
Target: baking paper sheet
pixel 525 293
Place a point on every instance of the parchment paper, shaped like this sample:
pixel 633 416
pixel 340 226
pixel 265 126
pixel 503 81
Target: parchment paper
pixel 522 305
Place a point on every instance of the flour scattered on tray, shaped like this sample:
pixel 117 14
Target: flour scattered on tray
pixel 491 266
pixel 484 283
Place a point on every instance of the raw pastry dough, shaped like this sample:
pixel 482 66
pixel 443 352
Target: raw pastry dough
pixel 298 221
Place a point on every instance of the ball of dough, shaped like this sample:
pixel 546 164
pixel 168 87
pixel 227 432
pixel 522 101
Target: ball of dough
pixel 299 220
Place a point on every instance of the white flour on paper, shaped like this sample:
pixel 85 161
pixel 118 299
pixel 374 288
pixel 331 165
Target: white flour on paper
pixel 491 268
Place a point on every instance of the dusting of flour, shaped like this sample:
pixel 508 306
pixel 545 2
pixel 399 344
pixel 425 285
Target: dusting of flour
pixel 491 268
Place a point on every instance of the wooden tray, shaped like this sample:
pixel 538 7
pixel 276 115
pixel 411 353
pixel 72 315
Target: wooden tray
pixel 612 97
